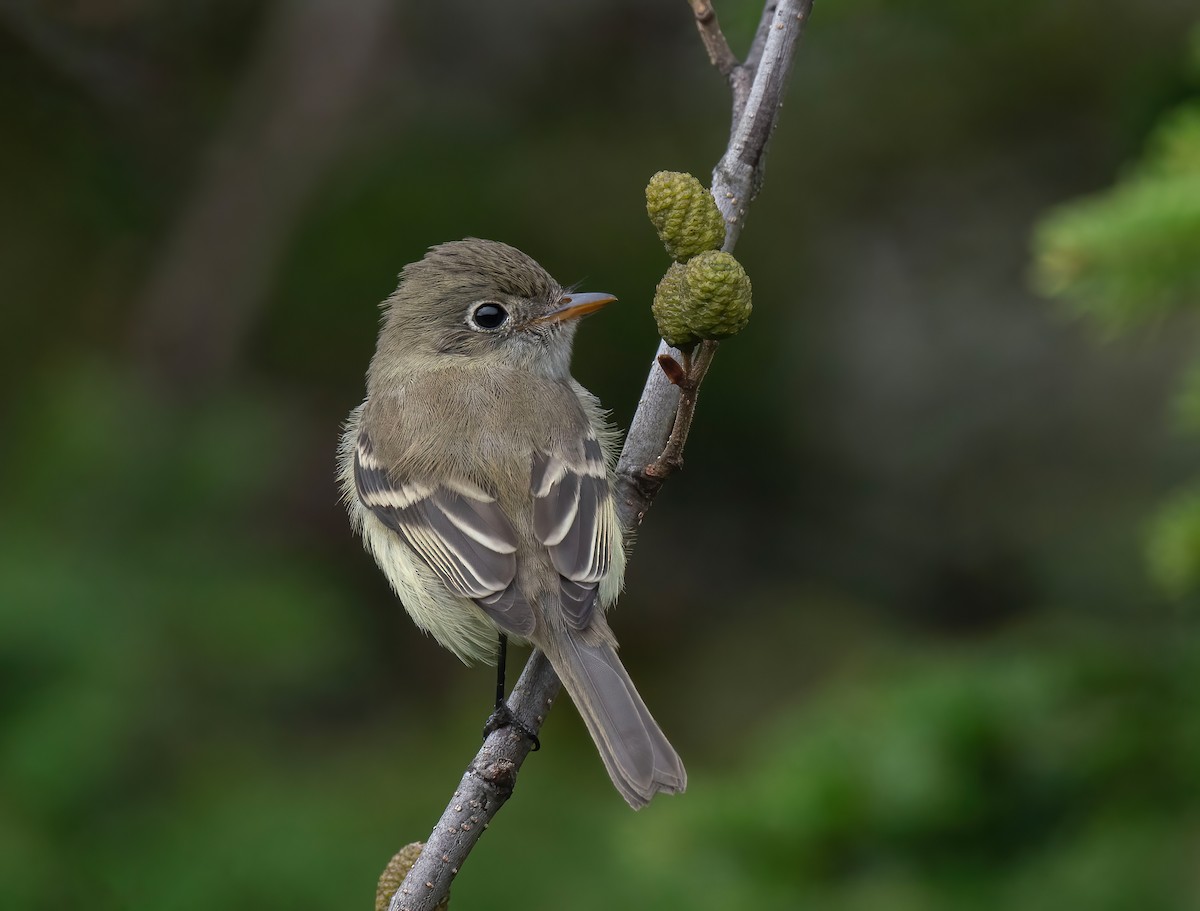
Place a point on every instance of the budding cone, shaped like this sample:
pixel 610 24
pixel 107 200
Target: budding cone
pixel 670 310
pixel 684 214
pixel 708 298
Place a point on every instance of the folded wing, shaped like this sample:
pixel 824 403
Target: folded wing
pixel 574 518
pixel 456 528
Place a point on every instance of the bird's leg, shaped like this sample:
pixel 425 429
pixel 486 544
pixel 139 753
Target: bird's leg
pixel 502 716
pixel 501 661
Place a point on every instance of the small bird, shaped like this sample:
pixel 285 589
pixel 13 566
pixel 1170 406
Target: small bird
pixel 480 476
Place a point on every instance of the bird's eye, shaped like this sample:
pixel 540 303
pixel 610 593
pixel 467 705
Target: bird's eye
pixel 489 316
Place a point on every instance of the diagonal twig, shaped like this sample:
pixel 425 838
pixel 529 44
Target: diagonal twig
pixel 652 452
pixel 712 36
pixel 741 78
pixel 754 55
pixel 736 181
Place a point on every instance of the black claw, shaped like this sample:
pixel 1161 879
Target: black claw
pixel 503 717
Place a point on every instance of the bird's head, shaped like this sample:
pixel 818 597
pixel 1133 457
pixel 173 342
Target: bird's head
pixel 487 303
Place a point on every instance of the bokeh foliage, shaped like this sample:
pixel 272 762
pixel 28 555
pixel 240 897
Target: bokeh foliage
pixel 1130 256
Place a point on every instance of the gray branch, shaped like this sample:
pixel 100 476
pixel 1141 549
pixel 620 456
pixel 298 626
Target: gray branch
pixel 653 450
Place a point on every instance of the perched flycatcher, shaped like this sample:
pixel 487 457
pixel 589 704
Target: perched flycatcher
pixel 480 476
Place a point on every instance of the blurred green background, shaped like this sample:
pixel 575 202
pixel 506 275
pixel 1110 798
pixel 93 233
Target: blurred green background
pixel 897 614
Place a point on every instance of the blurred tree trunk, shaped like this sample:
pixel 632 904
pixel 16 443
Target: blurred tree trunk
pixel 116 78
pixel 293 114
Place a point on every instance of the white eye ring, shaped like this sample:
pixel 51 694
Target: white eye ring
pixel 487 316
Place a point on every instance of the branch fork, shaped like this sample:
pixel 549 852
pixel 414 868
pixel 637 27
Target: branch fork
pixel 687 377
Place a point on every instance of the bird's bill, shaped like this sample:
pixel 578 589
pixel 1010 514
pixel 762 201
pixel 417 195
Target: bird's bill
pixel 574 306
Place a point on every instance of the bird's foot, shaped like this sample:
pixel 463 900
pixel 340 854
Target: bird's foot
pixel 503 717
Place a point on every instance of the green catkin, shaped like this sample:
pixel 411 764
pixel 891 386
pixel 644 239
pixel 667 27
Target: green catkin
pixel 684 214
pixel 708 298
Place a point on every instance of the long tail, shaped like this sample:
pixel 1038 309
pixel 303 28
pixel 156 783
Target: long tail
pixel 639 758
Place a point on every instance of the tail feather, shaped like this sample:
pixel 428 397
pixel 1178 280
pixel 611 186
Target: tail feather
pixel 639 758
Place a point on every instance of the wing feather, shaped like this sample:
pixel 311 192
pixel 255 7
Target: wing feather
pixel 461 532
pixel 573 517
pixel 456 528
